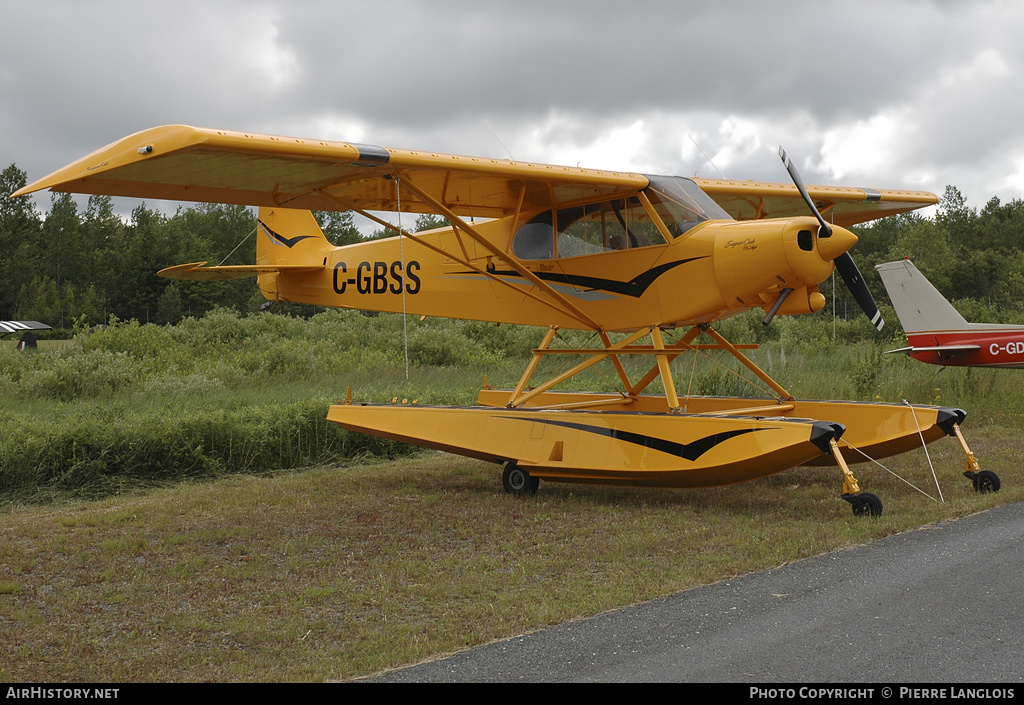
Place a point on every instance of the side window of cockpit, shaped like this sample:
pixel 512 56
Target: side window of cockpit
pixel 582 231
pixel 595 228
pixel 635 226
pixel 534 240
pixel 622 224
pixel 677 217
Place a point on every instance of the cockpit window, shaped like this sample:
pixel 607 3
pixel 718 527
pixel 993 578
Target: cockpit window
pixel 533 240
pixel 622 224
pixel 618 224
pixel 591 229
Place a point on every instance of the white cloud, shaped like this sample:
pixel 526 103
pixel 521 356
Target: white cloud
pixel 863 147
pixel 269 64
pixel 617 147
pixel 742 139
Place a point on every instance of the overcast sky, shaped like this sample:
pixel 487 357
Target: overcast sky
pixel 886 94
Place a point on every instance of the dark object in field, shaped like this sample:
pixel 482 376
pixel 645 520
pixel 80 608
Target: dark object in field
pixel 27 341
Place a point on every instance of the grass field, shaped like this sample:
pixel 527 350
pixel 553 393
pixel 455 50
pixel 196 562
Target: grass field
pixel 225 564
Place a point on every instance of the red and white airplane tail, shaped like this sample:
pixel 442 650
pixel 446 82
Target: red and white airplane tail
pixel 936 331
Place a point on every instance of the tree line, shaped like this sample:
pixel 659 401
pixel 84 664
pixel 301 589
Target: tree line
pixel 974 257
pixel 72 266
pixel 81 266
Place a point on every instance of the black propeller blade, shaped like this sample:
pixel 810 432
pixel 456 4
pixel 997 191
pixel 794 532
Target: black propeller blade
pixel 844 263
pixel 855 283
pixel 826 229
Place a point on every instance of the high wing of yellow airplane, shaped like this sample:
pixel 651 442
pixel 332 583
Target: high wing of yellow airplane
pixel 629 256
pixel 179 162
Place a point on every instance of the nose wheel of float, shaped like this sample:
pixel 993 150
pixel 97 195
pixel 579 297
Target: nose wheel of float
pixel 864 504
pixel 984 481
pixel 517 481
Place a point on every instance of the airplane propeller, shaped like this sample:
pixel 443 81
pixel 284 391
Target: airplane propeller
pixel 844 262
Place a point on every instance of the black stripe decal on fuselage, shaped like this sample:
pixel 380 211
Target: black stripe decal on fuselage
pixel 635 287
pixel 687 451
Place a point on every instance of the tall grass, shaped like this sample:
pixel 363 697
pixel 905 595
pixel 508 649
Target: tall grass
pixel 139 404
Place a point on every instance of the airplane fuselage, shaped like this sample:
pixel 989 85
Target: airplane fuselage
pixel 982 346
pixel 720 268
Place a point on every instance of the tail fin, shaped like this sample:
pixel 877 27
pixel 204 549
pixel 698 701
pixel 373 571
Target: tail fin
pixel 919 305
pixel 287 238
pixel 288 241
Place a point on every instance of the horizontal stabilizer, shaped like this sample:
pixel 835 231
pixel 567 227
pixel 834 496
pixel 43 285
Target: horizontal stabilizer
pixel 197 272
pixel 941 349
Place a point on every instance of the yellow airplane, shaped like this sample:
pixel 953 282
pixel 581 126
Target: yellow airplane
pixel 627 256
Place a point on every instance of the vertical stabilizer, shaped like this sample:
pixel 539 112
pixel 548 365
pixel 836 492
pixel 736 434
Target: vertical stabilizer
pixel 287 236
pixel 919 305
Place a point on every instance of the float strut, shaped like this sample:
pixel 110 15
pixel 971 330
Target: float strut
pixel 850 485
pixel 971 464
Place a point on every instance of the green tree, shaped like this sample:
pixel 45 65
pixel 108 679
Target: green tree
pixel 168 308
pixel 925 244
pixel 100 228
pixel 82 304
pixel 211 233
pixel 428 221
pixel 956 220
pixel 60 239
pixel 339 228
pixel 19 223
pixel 40 300
pixel 128 263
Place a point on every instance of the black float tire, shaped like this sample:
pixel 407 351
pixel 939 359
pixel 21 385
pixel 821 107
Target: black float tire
pixel 866 504
pixel 517 481
pixel 986 481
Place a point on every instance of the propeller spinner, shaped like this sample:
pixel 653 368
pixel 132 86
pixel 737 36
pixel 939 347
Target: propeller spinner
pixel 844 262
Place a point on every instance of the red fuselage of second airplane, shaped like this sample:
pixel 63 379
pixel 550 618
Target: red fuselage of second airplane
pixel 999 347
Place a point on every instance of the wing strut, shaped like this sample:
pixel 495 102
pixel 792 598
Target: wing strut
pixel 462 225
pixel 566 309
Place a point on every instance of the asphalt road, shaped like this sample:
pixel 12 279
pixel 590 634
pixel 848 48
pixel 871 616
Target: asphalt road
pixel 937 605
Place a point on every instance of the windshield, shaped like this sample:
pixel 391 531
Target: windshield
pixel 681 203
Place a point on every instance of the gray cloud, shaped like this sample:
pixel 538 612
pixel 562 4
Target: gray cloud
pixel 886 94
